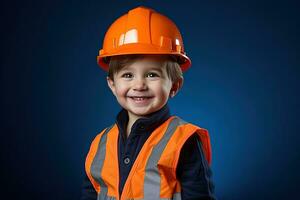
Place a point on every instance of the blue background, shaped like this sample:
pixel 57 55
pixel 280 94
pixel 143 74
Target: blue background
pixel 243 87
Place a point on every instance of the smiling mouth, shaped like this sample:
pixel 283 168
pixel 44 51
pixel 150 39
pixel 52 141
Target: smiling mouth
pixel 139 98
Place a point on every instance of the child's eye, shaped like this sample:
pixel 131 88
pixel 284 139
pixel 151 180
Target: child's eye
pixel 127 75
pixel 152 74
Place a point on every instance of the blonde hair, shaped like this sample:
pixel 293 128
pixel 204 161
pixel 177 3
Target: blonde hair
pixel 116 63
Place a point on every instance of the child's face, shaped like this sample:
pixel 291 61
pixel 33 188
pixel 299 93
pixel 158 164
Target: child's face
pixel 142 87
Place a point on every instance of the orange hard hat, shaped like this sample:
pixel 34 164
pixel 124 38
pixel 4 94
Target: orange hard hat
pixel 143 31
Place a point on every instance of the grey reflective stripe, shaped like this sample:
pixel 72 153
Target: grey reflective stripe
pixel 152 176
pixel 97 165
pixel 177 196
pixel 105 198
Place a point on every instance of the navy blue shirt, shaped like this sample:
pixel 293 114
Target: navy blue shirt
pixel 193 171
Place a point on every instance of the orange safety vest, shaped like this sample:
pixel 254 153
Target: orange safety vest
pixel 153 174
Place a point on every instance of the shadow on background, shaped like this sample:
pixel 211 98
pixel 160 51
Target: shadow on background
pixel 243 87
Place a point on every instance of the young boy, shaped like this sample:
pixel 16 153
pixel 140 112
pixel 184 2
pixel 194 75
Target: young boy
pixel 147 154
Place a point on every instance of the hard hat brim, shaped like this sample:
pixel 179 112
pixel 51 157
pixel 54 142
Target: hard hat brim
pixel 131 49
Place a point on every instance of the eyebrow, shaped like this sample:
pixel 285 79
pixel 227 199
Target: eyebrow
pixel 127 68
pixel 156 69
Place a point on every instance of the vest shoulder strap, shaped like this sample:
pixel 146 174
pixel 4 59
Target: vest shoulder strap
pixel 93 157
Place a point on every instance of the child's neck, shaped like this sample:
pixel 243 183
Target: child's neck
pixel 131 119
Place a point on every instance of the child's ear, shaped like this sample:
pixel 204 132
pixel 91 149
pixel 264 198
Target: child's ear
pixel 111 84
pixel 176 87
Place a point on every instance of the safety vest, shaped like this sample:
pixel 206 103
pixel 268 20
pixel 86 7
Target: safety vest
pixel 153 174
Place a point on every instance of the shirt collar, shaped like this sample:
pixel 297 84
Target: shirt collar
pixel 143 125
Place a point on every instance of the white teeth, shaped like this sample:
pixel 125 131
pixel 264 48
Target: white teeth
pixel 139 98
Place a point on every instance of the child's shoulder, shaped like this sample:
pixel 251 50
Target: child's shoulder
pixel 103 132
pixel 181 121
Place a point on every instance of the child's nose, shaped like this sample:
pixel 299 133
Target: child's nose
pixel 140 84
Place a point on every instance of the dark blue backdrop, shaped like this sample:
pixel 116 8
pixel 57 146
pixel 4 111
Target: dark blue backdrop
pixel 242 87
